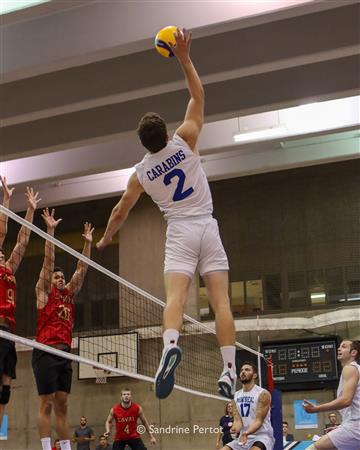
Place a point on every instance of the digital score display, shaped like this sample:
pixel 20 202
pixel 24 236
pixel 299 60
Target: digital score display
pixel 303 361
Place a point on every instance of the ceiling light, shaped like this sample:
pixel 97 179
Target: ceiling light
pixel 319 295
pixel 260 134
pixel 8 6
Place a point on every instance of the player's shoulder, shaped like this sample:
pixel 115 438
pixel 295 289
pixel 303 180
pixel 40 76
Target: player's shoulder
pixel 351 369
pixel 178 141
pixel 263 392
pixel 238 394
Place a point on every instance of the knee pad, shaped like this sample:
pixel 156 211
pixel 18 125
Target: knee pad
pixel 5 395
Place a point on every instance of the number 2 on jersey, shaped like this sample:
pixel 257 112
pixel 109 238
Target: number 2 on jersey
pixel 245 409
pixel 179 194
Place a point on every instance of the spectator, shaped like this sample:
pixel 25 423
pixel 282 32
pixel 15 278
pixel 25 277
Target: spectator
pixel 226 422
pixel 332 422
pixel 286 436
pixel 103 443
pixel 56 444
pixel 83 435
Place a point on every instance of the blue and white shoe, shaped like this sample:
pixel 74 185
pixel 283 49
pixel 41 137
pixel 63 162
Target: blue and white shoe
pixel 164 378
pixel 227 384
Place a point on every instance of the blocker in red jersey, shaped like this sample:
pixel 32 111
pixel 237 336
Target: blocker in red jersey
pixel 8 268
pixel 55 306
pixel 126 415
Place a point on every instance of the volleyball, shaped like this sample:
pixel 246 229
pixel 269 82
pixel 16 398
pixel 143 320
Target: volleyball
pixel 162 39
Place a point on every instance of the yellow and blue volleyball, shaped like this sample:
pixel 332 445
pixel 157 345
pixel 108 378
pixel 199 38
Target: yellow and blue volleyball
pixel 162 40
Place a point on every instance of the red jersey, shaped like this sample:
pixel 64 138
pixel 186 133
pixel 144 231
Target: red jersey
pixel 7 296
pixel 126 421
pixel 55 320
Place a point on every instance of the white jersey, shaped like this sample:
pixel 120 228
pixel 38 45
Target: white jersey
pixel 246 403
pixel 352 412
pixel 175 180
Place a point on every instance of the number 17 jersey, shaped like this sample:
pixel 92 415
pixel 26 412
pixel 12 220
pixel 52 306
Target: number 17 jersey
pixel 175 180
pixel 246 404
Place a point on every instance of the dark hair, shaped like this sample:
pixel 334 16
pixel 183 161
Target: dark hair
pixel 152 132
pixel 285 423
pixel 355 345
pixel 59 269
pixel 252 365
pixel 56 440
pixel 102 436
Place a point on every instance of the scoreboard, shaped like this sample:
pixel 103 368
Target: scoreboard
pixel 308 364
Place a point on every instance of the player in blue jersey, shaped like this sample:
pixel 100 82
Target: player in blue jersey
pixel 172 175
pixel 251 409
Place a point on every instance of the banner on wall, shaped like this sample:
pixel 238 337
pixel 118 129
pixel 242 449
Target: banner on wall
pixel 3 429
pixel 302 419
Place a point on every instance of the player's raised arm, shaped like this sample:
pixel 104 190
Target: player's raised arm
pixel 43 286
pixel 77 279
pixel 24 234
pixel 7 193
pixel 121 211
pixel 190 129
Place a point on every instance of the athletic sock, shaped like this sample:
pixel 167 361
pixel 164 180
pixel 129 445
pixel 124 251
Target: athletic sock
pixel 228 356
pixel 65 445
pixel 170 336
pixel 46 443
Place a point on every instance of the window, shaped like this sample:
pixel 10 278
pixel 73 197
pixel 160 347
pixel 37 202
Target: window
pixel 237 289
pixel 254 294
pixel 246 296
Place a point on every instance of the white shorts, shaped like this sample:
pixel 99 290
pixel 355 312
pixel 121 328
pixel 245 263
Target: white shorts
pixel 346 436
pixel 267 440
pixel 194 243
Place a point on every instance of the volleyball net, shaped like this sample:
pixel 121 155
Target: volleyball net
pixel 117 326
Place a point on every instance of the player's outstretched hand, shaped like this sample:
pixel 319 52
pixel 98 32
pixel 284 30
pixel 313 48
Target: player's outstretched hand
pixel 181 48
pixel 6 190
pixel 309 407
pixel 32 197
pixel 49 219
pixel 243 438
pixel 88 232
